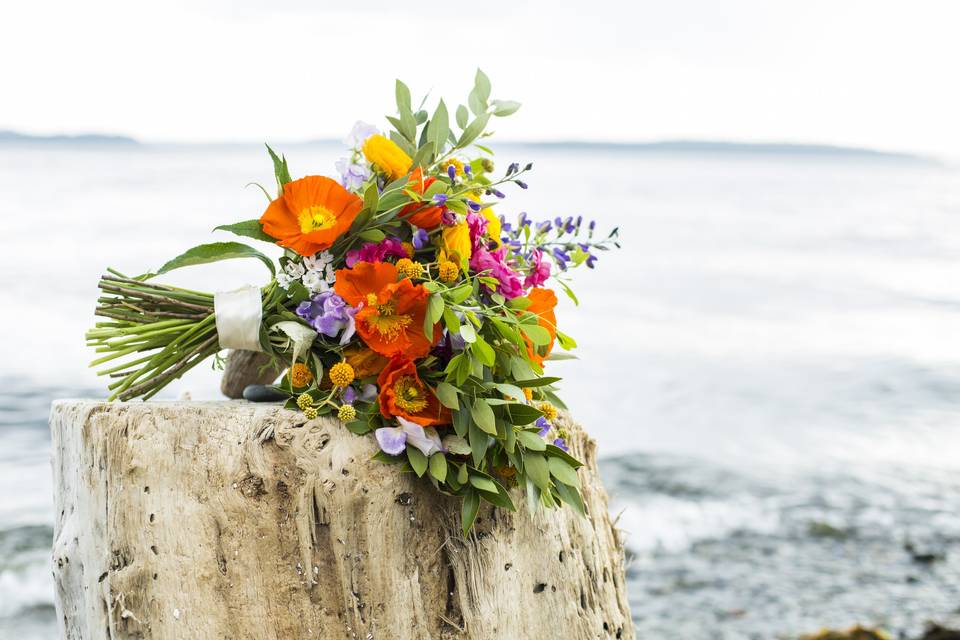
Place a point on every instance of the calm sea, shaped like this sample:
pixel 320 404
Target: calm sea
pixel 771 365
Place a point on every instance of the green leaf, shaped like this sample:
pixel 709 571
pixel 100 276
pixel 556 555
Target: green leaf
pixel 248 229
pixel 456 445
pixel 536 382
pixel 481 84
pixel 438 466
pixel 557 452
pixel 462 116
pixel 462 475
pixel 280 169
pixel 372 235
pixel 447 394
pixel 572 497
pixel 484 484
pixel 467 332
pixel 483 416
pixel 499 499
pixel 461 422
pixel 215 252
pixel 479 441
pixel 508 389
pixel 563 472
pixel 439 127
pixel 566 341
pixel 417 460
pixel 371 197
pixel 521 414
pixel 461 293
pixel 451 320
pixel 533 496
pixel 520 303
pixel 473 130
pixel 435 308
pixel 468 513
pixel 502 108
pixel 531 440
pixel 403 98
pixel 483 351
pixel 537 334
pixel 535 466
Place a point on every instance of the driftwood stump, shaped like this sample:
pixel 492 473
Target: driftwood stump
pixel 246 367
pixel 230 520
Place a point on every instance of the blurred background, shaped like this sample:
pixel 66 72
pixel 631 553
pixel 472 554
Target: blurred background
pixel 771 365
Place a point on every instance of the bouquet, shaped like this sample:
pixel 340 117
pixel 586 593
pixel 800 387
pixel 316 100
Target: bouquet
pixel 402 304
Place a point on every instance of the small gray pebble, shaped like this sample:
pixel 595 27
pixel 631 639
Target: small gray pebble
pixel 262 393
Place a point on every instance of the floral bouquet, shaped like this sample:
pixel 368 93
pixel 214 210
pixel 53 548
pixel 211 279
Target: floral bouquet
pixel 402 304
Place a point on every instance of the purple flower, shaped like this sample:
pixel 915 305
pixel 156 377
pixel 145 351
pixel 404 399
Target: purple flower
pixel 467 169
pixel 494 265
pixel 329 315
pixel 497 193
pixel 440 199
pixel 592 225
pixel 452 172
pixel 513 168
pixel 447 217
pixel 359 134
pixel 367 394
pixel 561 256
pixel 591 260
pixel 474 206
pixel 544 426
pixel 560 443
pixel 520 183
pixel 393 440
pixel 420 239
pixel 539 272
pixel 349 395
pixel 352 175
pixel 377 252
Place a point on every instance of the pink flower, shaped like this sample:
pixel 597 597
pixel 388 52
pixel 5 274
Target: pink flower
pixel 478 228
pixel 493 264
pixel 539 272
pixel 377 252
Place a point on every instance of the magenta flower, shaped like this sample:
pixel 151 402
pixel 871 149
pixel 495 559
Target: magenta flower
pixel 492 263
pixel 478 228
pixel 377 251
pixel 539 272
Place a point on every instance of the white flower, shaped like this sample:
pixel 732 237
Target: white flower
pixel 314 281
pixel 283 280
pixel 319 261
pixel 331 274
pixel 294 269
pixel 359 134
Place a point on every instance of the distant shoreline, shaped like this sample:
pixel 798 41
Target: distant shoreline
pixel 678 147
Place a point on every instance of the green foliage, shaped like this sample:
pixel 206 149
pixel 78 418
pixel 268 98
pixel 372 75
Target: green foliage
pixel 215 252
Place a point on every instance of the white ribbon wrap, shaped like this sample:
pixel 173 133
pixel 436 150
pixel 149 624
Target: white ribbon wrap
pixel 239 315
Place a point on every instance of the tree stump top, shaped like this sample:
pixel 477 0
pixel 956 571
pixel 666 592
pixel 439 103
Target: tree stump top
pixel 239 520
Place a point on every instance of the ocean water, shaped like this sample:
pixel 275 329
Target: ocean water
pixel 771 365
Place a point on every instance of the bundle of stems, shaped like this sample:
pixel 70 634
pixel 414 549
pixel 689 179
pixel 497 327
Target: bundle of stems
pixel 167 330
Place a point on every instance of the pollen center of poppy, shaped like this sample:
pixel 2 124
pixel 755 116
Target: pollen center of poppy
pixel 385 321
pixel 409 395
pixel 315 218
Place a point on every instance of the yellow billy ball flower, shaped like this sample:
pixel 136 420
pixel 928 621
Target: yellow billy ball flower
pixel 311 413
pixel 549 411
pixel 300 375
pixel 527 393
pixel 456 164
pixel 449 271
pixel 409 269
pixel 341 374
pixel 387 156
pixel 304 400
pixel 347 413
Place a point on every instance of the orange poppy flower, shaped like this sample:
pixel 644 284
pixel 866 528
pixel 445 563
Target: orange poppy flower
pixel 390 319
pixel 542 303
pixel 365 362
pixel 421 214
pixel 403 394
pixel 310 215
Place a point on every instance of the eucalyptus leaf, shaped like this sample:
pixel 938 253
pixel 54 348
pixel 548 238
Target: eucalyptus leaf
pixel 535 466
pixel 438 466
pixel 447 394
pixel 483 416
pixel 563 472
pixel 417 460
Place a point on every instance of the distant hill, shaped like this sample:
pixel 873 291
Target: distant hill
pixel 15 138
pixel 706 147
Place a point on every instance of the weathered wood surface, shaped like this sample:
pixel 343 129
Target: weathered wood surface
pixel 233 520
pixel 244 368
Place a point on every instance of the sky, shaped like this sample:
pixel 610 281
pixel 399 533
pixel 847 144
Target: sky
pixel 878 73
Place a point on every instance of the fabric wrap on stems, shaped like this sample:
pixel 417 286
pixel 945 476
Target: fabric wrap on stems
pixel 239 314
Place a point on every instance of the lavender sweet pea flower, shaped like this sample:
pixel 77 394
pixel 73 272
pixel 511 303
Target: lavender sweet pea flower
pixel 329 315
pixel 393 440
pixel 368 393
pixel 349 395
pixel 352 175
pixel 420 239
pixel 359 134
